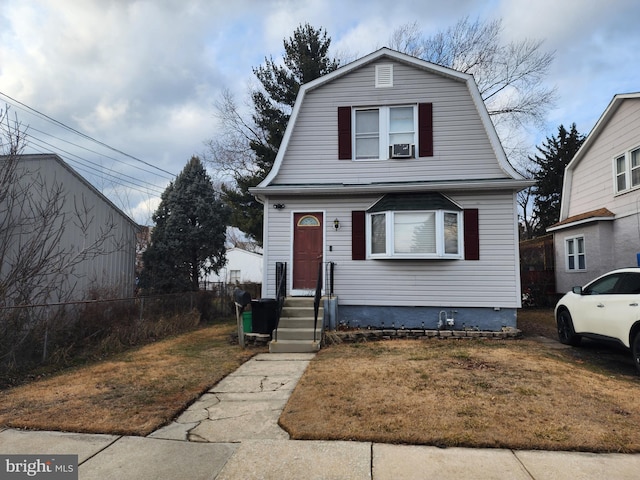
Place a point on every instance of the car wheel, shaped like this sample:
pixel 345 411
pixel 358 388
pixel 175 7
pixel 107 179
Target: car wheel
pixel 566 333
pixel 635 350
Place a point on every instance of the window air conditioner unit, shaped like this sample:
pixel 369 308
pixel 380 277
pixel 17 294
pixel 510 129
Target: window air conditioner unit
pixel 401 150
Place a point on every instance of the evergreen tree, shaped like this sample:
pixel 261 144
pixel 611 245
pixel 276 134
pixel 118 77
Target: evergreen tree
pixel 306 58
pixel 548 172
pixel 188 240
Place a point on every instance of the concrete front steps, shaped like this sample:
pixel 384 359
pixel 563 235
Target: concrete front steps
pixel 295 330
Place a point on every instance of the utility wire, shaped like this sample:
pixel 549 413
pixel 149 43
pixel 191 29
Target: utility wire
pixel 83 135
pixel 134 183
pixel 31 128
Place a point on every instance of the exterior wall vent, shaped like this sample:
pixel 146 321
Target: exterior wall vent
pixel 384 75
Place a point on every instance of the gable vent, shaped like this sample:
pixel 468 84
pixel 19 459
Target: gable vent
pixel 384 75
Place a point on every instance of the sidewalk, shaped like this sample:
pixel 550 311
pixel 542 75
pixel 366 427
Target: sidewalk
pixel 231 433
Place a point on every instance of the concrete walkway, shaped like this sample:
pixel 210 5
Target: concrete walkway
pixel 231 433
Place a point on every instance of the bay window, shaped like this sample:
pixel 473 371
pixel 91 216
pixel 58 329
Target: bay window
pixel 414 234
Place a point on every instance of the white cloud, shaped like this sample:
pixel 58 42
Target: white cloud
pixel 143 75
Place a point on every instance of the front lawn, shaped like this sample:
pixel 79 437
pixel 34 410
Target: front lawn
pixel 519 394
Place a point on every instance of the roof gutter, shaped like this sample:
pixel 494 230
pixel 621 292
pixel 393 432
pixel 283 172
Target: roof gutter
pixel 379 187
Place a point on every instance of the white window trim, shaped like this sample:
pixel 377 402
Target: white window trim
pixel 383 130
pixel 627 171
pixel 440 240
pixel 575 255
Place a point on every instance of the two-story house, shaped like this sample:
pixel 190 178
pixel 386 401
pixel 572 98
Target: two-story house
pixel 391 172
pixel 599 224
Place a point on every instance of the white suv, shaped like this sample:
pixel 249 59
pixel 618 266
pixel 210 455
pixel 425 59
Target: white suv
pixel 608 308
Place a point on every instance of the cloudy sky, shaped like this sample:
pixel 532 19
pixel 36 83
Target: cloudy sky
pixel 142 76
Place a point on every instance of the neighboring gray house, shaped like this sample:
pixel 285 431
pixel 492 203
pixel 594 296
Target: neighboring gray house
pixel 391 169
pixel 599 225
pixel 81 239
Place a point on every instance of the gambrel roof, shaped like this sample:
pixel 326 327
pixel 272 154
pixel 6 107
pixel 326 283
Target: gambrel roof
pixel 511 179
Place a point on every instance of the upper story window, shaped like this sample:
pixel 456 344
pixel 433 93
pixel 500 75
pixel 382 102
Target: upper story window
pixel 627 170
pixel 385 132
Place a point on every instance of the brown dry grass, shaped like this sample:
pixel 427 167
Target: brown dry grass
pixel 131 394
pixel 520 394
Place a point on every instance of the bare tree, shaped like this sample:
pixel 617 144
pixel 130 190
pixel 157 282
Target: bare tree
pixel 510 76
pixel 230 151
pixel 528 220
pixel 38 264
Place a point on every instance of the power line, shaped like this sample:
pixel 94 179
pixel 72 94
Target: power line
pixel 115 177
pixel 84 135
pixel 30 128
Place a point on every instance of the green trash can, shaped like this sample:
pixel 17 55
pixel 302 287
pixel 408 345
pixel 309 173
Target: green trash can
pixel 246 322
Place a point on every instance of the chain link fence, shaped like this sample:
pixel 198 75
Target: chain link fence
pixel 59 334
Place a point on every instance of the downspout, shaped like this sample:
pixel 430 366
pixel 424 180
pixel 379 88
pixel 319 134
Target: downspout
pixel 265 242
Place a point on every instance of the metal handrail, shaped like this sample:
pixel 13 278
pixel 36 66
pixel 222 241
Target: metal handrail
pixel 316 300
pixel 281 292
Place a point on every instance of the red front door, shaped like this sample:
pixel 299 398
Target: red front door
pixel 307 249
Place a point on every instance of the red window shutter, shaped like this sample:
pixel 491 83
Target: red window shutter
pixel 425 129
pixel 358 237
pixel 344 133
pixel 471 235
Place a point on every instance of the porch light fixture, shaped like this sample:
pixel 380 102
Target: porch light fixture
pixel 278 206
pixel 336 224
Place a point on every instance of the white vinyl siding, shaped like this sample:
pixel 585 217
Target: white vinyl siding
pixel 462 150
pixel 492 281
pixel 598 181
pixel 588 191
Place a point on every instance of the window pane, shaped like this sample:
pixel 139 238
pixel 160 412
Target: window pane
pixel 367 121
pixel 570 247
pixel 572 263
pixel 580 242
pixel 367 134
pixel 622 182
pixel 621 175
pixel 401 138
pixel 450 233
pixel 378 234
pixel 581 265
pixel 401 119
pixel 414 232
pixel 367 148
pixel 630 284
pixel 635 168
pixel 605 285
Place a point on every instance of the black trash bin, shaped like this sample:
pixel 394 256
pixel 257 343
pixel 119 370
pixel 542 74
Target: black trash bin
pixel 264 314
